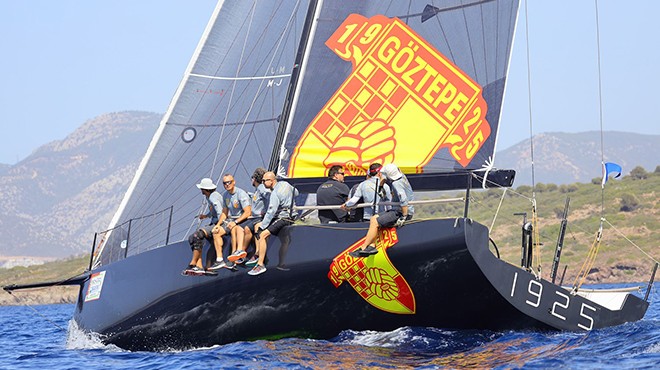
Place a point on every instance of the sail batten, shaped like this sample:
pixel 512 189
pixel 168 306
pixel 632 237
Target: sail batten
pixel 241 78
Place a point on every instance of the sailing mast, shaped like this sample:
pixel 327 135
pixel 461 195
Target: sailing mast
pixel 288 110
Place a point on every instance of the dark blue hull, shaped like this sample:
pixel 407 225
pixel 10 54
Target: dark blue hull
pixel 146 304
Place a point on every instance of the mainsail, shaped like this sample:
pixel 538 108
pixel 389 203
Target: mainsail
pixel 414 82
pixel 420 84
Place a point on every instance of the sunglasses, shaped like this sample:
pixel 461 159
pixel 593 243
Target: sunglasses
pixel 227 182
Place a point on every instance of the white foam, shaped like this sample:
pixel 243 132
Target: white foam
pixel 79 339
pixel 372 338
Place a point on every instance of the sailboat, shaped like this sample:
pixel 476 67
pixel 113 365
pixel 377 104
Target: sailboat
pixel 299 86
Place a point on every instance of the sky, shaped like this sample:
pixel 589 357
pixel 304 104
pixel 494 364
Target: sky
pixel 67 61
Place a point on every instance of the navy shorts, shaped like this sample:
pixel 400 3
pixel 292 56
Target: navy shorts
pixel 277 225
pixel 389 218
pixel 251 222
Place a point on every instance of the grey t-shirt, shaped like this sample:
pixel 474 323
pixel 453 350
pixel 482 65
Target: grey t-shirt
pixel 235 203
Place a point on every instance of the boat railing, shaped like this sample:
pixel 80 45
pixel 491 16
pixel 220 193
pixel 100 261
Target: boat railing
pixel 308 209
pixel 132 237
pixel 365 205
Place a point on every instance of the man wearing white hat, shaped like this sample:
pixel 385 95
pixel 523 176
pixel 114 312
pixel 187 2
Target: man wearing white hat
pixel 196 239
pixel 402 192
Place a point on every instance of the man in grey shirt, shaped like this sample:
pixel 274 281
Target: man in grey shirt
pixel 278 216
pixel 371 191
pixel 260 200
pixel 235 210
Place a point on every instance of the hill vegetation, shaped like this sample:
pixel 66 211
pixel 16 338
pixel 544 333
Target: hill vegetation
pixel 631 227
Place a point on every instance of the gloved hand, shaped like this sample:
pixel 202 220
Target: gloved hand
pixel 400 221
pixel 257 235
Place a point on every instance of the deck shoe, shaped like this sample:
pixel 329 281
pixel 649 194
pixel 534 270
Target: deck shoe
pixel 258 269
pixel 217 265
pixel 194 271
pixel 252 262
pixel 356 253
pixel 368 251
pixel 237 255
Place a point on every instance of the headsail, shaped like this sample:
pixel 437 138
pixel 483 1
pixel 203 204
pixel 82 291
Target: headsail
pixel 415 83
pixel 223 118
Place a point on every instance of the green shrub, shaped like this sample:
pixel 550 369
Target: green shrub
pixel 629 203
pixel 639 173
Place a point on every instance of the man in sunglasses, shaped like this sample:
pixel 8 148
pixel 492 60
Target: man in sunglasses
pixel 333 192
pixel 260 199
pixel 236 208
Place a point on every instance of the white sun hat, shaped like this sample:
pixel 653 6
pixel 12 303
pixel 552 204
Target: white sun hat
pixel 391 171
pixel 206 184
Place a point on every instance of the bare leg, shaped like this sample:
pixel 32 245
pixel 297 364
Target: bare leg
pixel 196 258
pixel 247 238
pixel 233 239
pixel 262 245
pixel 217 242
pixel 237 236
pixel 372 232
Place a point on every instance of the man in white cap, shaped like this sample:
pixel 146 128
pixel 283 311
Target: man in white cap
pixel 196 239
pixel 402 192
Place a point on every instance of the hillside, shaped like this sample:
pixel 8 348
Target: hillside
pixel 565 158
pixel 618 260
pixel 53 201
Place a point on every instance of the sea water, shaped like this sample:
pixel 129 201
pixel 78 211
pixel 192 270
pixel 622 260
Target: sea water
pixel 44 337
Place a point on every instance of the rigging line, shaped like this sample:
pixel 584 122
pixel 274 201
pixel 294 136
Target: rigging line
pixel 600 110
pixel 529 99
pixel 233 88
pixel 37 312
pixel 242 78
pixel 499 186
pixel 497 212
pixel 630 241
pixel 467 32
pixel 449 8
pixel 259 89
pixel 483 37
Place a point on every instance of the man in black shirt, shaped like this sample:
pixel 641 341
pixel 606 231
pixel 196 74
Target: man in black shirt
pixel 330 193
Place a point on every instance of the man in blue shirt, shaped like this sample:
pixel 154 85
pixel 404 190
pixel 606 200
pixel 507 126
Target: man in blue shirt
pixel 402 192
